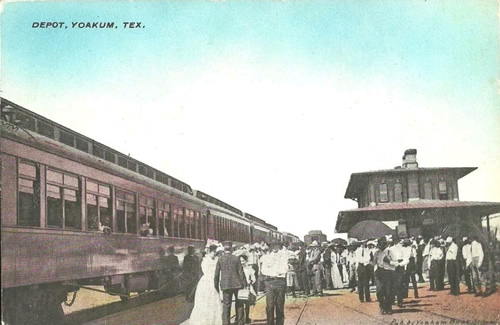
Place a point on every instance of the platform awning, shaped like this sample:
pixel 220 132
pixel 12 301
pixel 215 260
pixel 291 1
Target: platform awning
pixel 347 218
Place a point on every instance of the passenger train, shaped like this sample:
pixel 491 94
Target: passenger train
pixel 73 213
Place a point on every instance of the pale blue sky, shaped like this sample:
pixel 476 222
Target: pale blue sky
pixel 270 105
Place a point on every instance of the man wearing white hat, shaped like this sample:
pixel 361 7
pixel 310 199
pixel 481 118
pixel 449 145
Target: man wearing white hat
pixel 452 266
pixel 314 263
pixel 326 257
pixel 364 270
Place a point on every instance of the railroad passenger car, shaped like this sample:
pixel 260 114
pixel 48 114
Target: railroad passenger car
pixel 225 222
pixel 259 229
pixel 290 238
pixel 74 212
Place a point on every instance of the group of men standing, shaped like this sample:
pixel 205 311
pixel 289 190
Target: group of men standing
pixel 390 264
pixel 395 264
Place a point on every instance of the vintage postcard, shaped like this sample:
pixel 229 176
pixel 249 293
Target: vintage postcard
pixel 250 162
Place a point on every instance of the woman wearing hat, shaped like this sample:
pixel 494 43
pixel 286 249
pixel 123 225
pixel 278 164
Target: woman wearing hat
pixel 207 306
pixel 336 277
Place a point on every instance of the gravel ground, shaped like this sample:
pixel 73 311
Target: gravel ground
pixel 335 307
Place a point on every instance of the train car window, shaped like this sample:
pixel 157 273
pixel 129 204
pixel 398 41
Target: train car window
pixel 72 209
pixel 147 214
pixel 182 223
pixel 66 138
pixel 122 161
pixel 81 144
pixel 46 129
pixel 193 224
pixel 54 177
pixel 198 225
pixel 150 173
pixel 187 223
pixel 125 212
pixel 98 151
pixel 63 200
pixel 178 222
pixel 142 170
pixel 28 195
pixel 98 206
pixel 165 226
pixel 27 122
pixel 131 165
pixel 109 156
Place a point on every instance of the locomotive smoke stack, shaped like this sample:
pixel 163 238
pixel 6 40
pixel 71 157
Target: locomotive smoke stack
pixel 410 159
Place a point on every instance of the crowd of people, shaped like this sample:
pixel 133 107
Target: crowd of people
pixel 228 274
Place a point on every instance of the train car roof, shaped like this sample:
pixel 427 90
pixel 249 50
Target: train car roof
pixel 208 198
pixel 254 218
pixel 41 125
pixel 271 226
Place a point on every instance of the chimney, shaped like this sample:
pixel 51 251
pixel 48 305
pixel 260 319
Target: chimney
pixel 410 159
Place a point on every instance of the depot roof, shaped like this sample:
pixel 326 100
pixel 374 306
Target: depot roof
pixel 358 181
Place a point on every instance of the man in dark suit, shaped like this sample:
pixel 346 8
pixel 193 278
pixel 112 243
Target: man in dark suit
pixel 172 268
pixel 316 267
pixel 191 271
pixel 327 265
pixel 229 275
pixel 302 270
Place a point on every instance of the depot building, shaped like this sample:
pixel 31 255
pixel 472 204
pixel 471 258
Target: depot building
pixel 421 201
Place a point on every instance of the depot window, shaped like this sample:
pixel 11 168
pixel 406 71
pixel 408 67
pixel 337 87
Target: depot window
pixel 64 207
pixel 428 191
pixel 443 190
pixel 126 221
pixel 398 192
pixel 383 193
pixel 147 215
pixel 99 212
pixel 28 195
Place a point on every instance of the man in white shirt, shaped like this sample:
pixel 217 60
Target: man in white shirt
pixel 274 268
pixel 364 270
pixel 467 258
pixel 452 266
pixel 436 258
pixel 397 254
pixel 384 276
pixel 477 260
pixel 409 260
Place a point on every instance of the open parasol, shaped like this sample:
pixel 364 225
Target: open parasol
pixel 369 229
pixel 339 241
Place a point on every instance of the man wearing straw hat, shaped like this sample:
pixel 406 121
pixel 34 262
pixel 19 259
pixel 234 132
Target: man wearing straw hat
pixel 363 259
pixel 314 262
pixel 384 276
pixel 326 257
pixel 274 269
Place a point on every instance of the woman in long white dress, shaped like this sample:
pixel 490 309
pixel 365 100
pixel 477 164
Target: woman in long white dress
pixel 207 308
pixel 336 277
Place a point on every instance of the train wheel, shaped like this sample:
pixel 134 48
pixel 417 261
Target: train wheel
pixel 20 307
pixel 33 305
